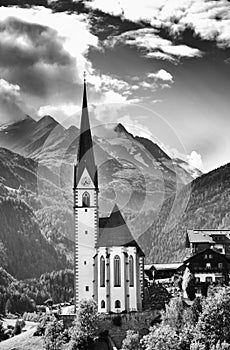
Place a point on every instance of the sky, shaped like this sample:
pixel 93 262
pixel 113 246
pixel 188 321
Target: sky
pixel 161 68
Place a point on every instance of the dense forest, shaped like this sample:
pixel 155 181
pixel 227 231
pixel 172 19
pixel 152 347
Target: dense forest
pixel 20 296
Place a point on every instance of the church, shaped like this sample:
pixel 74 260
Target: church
pixel 108 262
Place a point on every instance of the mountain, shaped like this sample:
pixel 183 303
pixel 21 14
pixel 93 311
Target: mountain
pixel 36 173
pixel 202 204
pixel 30 243
pixel 192 171
pixel 132 169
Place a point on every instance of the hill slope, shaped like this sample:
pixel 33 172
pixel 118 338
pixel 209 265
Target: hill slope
pixel 29 244
pixel 204 204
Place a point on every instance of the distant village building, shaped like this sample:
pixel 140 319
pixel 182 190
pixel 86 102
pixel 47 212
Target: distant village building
pixel 208 266
pixel 161 273
pixel 210 253
pixel 208 261
pixel 109 264
pixel 198 240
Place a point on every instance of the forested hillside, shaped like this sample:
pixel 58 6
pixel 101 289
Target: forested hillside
pixel 21 296
pixel 208 207
pixel 32 239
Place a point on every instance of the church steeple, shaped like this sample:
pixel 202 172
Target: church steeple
pixel 85 156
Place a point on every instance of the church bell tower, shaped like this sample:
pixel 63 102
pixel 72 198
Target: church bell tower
pixel 85 209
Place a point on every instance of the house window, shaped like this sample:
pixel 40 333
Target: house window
pixel 87 288
pixel 220 265
pixel 117 304
pixel 84 262
pixel 85 199
pixel 210 256
pixel 197 279
pixel 208 266
pixel 131 271
pixel 86 232
pixel 102 271
pixel 102 304
pixel 117 271
pixel 206 256
pixel 208 279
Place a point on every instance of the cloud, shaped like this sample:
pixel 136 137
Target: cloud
pixel 10 102
pixel 210 19
pixel 161 75
pixel 152 45
pixel 39 52
pixel 195 160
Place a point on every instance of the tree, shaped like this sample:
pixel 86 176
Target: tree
pixel 131 342
pixel 174 312
pixel 161 338
pixel 213 324
pixel 53 339
pixel 86 326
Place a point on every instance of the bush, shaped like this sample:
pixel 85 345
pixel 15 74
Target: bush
pixel 131 342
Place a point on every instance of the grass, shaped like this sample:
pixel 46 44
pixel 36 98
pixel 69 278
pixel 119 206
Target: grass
pixel 23 341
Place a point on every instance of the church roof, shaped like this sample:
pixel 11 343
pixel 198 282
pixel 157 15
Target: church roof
pixel 114 232
pixel 85 156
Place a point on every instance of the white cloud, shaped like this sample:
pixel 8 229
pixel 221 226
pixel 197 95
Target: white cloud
pixel 66 26
pixel 210 19
pixel 162 75
pixel 153 45
pixel 10 101
pixel 9 91
pixel 195 160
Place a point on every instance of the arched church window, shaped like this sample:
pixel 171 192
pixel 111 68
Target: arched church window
pixel 117 271
pixel 85 199
pixel 117 304
pixel 102 304
pixel 131 271
pixel 102 271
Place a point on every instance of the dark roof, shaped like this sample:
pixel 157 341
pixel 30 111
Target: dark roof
pixel 114 232
pixel 85 156
pixel 208 250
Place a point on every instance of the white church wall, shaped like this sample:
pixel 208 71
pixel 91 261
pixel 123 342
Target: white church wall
pixel 117 293
pixel 86 231
pixel 133 290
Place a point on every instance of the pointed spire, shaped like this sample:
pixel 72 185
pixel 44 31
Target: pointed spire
pixel 84 103
pixel 85 156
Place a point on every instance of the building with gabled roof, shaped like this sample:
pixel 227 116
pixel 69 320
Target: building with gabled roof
pixel 108 262
pixel 200 239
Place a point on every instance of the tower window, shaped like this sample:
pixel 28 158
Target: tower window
pixel 86 232
pixel 131 272
pixel 117 271
pixel 117 304
pixel 86 199
pixel 84 262
pixel 102 304
pixel 102 271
